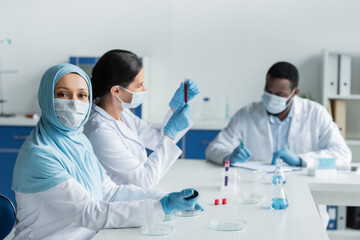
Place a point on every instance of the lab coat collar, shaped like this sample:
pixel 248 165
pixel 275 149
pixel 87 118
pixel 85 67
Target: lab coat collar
pixel 125 128
pixel 295 124
pixel 125 114
pixel 297 111
pixel 275 120
pixel 264 127
pixel 102 112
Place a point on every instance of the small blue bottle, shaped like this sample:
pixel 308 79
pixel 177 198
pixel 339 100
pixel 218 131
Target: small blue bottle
pixel 279 172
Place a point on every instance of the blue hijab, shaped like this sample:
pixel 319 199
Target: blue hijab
pixel 54 153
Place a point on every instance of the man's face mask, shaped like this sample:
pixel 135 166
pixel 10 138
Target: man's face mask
pixel 71 113
pixel 275 104
pixel 137 98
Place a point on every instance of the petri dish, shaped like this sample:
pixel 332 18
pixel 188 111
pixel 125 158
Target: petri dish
pixel 259 196
pixel 169 217
pixel 252 198
pixel 188 213
pixel 248 201
pixel 156 230
pixel 227 225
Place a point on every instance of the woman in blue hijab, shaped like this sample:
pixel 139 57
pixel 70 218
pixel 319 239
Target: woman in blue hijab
pixel 61 190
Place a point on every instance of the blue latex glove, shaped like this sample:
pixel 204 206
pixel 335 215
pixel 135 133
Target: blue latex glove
pixel 176 201
pixel 287 156
pixel 178 121
pixel 240 154
pixel 178 99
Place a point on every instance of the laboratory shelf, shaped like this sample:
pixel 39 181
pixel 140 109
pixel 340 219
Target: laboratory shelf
pixel 345 234
pixel 18 120
pixel 353 141
pixel 349 97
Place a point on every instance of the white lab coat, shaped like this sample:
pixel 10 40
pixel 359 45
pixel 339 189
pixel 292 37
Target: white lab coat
pixel 312 134
pixel 120 147
pixel 68 211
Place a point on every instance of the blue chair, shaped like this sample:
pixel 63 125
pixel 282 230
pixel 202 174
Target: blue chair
pixel 7 216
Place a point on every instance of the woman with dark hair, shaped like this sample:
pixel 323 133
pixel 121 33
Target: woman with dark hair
pixel 61 190
pixel 120 138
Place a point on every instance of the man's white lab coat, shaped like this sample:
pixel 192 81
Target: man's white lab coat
pixel 312 134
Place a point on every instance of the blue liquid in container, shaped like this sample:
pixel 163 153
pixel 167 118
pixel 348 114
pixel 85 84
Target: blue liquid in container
pixel 279 203
pixel 276 177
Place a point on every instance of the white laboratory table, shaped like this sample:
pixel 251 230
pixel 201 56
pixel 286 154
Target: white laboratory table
pixel 300 221
pixel 342 190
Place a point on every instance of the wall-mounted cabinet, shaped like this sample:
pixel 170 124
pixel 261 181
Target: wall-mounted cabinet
pixel 196 142
pixel 11 140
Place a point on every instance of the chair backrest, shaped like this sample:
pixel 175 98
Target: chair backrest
pixel 7 216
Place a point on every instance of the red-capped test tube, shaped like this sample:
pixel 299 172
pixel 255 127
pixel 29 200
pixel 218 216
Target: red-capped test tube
pixel 227 166
pixel 186 86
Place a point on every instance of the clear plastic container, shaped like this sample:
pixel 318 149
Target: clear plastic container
pixel 170 217
pixel 188 213
pixel 227 225
pixel 230 178
pixel 160 229
pixel 251 198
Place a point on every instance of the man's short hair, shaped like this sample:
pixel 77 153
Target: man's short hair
pixel 285 70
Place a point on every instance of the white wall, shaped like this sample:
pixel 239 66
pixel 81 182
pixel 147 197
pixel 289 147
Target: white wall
pixel 225 45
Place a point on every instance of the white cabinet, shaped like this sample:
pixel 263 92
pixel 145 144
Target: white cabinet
pixel 341 94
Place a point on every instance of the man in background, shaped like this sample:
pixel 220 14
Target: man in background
pixel 282 125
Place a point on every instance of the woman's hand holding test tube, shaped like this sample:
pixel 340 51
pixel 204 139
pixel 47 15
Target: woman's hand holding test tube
pixel 178 99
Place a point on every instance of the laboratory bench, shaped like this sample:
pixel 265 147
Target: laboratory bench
pixel 13 133
pixel 300 221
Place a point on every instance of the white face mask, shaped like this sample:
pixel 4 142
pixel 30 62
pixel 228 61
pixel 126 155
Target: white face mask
pixel 71 113
pixel 137 99
pixel 275 104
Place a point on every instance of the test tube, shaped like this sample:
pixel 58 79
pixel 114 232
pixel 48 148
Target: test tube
pixel 186 85
pixel 227 165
